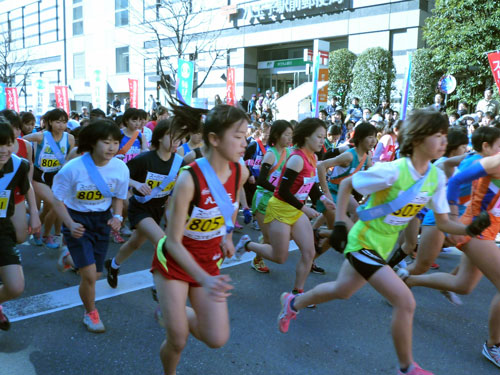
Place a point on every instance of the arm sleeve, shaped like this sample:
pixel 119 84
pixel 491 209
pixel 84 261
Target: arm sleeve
pixel 264 174
pixel 250 151
pixel 315 192
pixel 285 188
pixel 469 174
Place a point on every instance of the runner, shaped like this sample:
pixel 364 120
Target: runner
pixel 206 194
pixel 52 147
pixel 85 190
pixel 286 213
pixel 372 238
pixel 152 177
pixel 480 255
pixel 280 138
pixel 195 142
pixel 14 172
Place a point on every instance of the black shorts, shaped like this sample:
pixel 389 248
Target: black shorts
pixel 8 252
pixel 42 177
pixel 138 212
pixel 366 262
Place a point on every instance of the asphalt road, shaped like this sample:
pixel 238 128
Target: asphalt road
pixel 339 337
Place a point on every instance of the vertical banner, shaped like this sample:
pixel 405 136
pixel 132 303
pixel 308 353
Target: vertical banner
pixel 319 59
pixel 40 96
pixel 406 90
pixel 62 98
pixel 231 87
pixel 3 99
pixel 323 93
pixel 99 89
pixel 494 59
pixel 12 98
pixel 133 88
pixel 184 84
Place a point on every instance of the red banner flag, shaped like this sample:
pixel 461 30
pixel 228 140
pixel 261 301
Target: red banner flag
pixel 12 98
pixel 62 98
pixel 231 87
pixel 133 88
pixel 494 59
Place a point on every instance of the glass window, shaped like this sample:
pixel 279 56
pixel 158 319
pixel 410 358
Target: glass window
pixel 77 13
pixel 77 19
pixel 122 60
pixel 121 12
pixel 79 65
pixel 78 28
pixel 77 1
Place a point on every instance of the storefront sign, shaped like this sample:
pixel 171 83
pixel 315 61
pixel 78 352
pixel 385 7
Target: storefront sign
pixel 185 74
pixel 266 11
pixel 282 63
pixel 62 98
pixel 40 95
pixel 494 59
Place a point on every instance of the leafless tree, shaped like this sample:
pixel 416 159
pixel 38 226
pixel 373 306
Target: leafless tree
pixel 12 63
pixel 181 32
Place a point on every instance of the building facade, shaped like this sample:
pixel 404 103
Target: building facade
pixel 81 42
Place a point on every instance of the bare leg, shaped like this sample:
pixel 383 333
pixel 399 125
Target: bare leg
pixel 20 222
pixel 88 276
pixel 303 236
pixel 279 239
pixel 431 241
pixel 13 282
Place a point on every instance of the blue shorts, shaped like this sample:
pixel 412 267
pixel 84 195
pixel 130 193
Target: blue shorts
pixel 92 247
pixel 430 219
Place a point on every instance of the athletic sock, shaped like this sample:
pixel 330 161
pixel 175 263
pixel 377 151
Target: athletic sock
pixel 114 264
pixel 292 304
pixel 397 257
pixel 406 370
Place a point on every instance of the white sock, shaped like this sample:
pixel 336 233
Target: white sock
pixel 114 264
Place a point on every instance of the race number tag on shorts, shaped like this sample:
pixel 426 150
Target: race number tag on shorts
pixel 4 202
pixel 408 212
pixel 155 179
pixel 204 225
pixel 306 187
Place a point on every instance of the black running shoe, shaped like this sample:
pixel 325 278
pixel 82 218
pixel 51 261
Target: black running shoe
pixel 112 275
pixel 316 269
pixel 4 321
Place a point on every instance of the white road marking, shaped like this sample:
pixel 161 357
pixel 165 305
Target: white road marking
pixel 62 299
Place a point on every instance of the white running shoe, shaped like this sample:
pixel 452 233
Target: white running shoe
pixel 240 246
pixel 125 231
pixel 402 273
pixel 452 297
pixel 93 322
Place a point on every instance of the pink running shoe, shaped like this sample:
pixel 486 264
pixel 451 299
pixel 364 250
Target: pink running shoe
pixel 115 236
pixel 415 369
pixel 286 313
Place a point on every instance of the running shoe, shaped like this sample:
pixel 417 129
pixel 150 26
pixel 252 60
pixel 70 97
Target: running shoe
pixel 237 225
pixel 240 246
pixel 64 263
pixel 403 273
pixel 286 313
pixel 112 275
pixel 255 225
pixel 492 353
pixel 452 297
pixel 115 236
pixel 125 231
pixel 50 242
pixel 159 317
pixel 36 239
pixel 258 265
pixel 415 369
pixel 434 266
pixel 247 214
pixel 93 322
pixel 4 321
pixel 317 269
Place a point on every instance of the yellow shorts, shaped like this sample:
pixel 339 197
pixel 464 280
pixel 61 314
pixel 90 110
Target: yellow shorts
pixel 281 211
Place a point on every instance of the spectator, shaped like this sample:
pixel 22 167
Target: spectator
pixel 384 106
pixel 323 115
pixel 243 103
pixel 487 119
pixel 116 103
pixel 488 104
pixel 85 113
pixel 354 112
pixel 126 105
pixel 151 104
pixel 217 100
pixel 438 103
pixel 462 109
pixel 266 103
pixel 453 118
pixel 274 105
pixel 73 121
pixel 333 106
pixel 96 114
pixel 395 116
pixel 252 104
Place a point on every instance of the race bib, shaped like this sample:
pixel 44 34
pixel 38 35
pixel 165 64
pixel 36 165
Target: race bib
pixel 49 163
pixel 155 179
pixel 408 212
pixel 257 162
pixel 4 202
pixel 274 178
pixel 89 194
pixel 306 187
pixel 204 225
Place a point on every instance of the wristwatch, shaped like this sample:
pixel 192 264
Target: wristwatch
pixel 119 217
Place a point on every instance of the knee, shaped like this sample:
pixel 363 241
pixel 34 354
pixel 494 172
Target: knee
pixel 217 341
pixel 281 257
pixel 176 343
pixel 406 303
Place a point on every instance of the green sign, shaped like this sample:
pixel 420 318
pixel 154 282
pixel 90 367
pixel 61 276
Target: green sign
pixel 290 62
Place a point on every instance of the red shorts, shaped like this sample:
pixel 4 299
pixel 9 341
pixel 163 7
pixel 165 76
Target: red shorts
pixel 169 268
pixel 489 234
